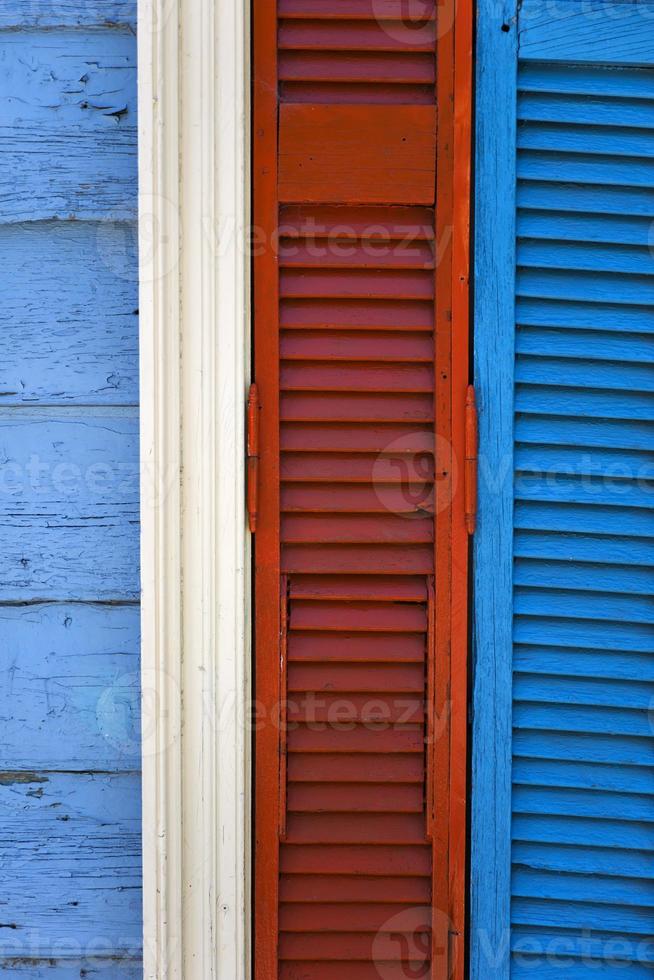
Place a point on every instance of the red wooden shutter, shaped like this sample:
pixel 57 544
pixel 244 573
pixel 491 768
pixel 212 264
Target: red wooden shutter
pixel 360 278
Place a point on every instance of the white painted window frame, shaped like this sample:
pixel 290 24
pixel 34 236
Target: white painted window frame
pixel 194 312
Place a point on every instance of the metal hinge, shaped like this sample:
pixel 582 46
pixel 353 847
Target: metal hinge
pixel 253 457
pixel 471 461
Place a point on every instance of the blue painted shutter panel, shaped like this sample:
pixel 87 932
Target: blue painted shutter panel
pixel 579 900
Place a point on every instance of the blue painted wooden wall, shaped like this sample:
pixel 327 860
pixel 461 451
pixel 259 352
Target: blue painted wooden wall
pixel 563 780
pixel 70 902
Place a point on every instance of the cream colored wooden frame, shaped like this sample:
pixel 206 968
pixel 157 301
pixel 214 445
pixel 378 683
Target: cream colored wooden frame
pixel 194 198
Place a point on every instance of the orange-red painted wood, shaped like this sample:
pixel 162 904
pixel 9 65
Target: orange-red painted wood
pixel 323 157
pixel 361 357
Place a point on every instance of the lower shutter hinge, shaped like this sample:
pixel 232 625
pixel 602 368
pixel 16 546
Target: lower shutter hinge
pixel 253 457
pixel 471 460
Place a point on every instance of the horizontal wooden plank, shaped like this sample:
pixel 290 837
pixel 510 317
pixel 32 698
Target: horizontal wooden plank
pixel 360 313
pixel 600 945
pixel 371 678
pixel 405 860
pixel 585 33
pixel 351 888
pixel 611 141
pixel 373 917
pixel 356 648
pixel 587 110
pixel 83 348
pixel 584 775
pixel 386 559
pixel 336 947
pixel 348 970
pixel 594 256
pixel 326 345
pixel 615 664
pixel 69 505
pixel 585 577
pixel 580 860
pixel 585 168
pixel 376 226
pixel 636 637
pixel 358 617
pixel 401 439
pixel 399 466
pixel 361 739
pixel 328 588
pixel 581 79
pixel 343 253
pixel 345 35
pixel 71 856
pixel 585 719
pixel 621 919
pixel 541 195
pixel 620 835
pixel 71 676
pixel 68 125
pixel 592 345
pixel 366 154
pixel 380 284
pixel 91 968
pixel 386 407
pixel 23 14
pixel 408 497
pixel 549 967
pixel 375 67
pixel 348 798
pixel 393 768
pixel 350 10
pixel 349 529
pixel 309 702
pixel 581 518
pixel 612 228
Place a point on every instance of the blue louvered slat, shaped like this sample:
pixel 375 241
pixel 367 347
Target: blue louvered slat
pixel 583 773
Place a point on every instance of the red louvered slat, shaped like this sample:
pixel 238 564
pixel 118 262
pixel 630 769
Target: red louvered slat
pixel 356 548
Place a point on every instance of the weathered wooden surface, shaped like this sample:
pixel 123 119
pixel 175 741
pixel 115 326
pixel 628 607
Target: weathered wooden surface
pixel 69 687
pixel 21 14
pixel 69 504
pixel 70 902
pixel 84 347
pixel 68 125
pixel 71 864
pixel 91 968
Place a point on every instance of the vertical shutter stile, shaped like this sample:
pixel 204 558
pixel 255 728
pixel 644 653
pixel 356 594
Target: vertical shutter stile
pixel 353 359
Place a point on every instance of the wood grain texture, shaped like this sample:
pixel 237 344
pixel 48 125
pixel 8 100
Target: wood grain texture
pixel 69 505
pixel 70 674
pixel 493 551
pixel 592 31
pixel 68 125
pixel 90 968
pixel 365 154
pixel 69 502
pixel 71 860
pixel 83 348
pixel 22 14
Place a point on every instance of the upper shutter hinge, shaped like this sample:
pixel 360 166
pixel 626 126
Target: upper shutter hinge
pixel 253 456
pixel 471 460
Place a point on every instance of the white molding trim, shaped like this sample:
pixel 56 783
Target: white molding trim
pixel 194 310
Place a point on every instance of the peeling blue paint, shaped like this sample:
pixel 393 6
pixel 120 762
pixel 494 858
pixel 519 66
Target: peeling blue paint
pixel 70 905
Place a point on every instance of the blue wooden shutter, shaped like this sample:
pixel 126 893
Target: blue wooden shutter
pixel 563 772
